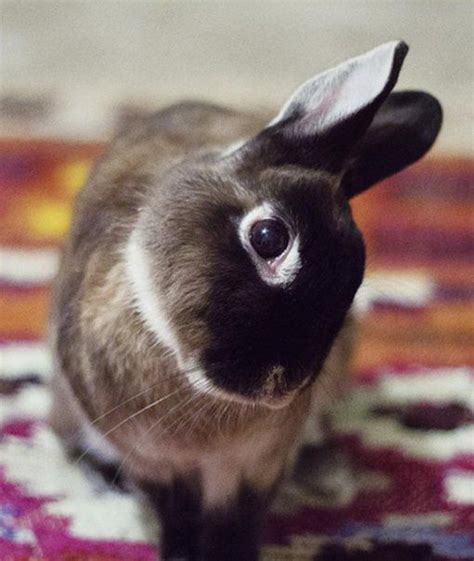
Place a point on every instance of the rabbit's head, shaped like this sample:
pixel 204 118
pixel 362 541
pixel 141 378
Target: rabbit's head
pixel 246 259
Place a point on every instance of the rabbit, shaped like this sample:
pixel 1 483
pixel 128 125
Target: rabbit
pixel 211 264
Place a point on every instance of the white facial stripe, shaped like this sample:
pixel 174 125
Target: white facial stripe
pixel 151 307
pixel 197 378
pixel 277 272
pixel 147 297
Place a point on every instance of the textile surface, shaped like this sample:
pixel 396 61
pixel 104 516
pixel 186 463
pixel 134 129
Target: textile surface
pixel 407 431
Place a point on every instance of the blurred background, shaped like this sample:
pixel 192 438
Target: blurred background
pixel 72 68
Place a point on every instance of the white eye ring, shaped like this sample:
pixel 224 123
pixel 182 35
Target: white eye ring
pixel 281 270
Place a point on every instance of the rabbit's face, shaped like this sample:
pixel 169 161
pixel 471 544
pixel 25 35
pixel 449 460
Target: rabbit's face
pixel 247 259
pixel 254 273
pixel 288 261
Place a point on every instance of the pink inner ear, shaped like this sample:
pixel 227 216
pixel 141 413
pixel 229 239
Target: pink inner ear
pixel 319 109
pixel 342 92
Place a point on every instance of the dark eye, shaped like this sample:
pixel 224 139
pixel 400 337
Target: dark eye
pixel 269 238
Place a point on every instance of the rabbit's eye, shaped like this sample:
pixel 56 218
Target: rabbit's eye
pixel 269 238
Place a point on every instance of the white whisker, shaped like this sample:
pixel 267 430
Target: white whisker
pixel 194 397
pixel 129 418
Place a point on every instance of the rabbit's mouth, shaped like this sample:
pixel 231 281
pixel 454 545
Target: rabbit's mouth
pixel 276 399
pixel 277 392
pixel 274 392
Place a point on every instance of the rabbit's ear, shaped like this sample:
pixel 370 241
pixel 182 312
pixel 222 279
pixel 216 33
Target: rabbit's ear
pixel 403 130
pixel 329 113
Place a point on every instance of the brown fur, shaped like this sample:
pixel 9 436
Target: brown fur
pixel 104 351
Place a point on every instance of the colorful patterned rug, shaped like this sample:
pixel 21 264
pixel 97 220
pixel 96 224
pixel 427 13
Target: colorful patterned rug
pixel 408 428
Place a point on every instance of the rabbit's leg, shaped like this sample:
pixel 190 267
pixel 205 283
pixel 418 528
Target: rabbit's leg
pixel 232 532
pixel 178 505
pixel 325 474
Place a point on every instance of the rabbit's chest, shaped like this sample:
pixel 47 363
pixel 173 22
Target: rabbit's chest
pixel 220 463
pixel 255 459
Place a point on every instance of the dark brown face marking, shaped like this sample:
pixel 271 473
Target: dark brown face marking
pixel 255 327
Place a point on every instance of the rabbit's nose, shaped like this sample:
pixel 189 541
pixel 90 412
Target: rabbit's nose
pixel 274 380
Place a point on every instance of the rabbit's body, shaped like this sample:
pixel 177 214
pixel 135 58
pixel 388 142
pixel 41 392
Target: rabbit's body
pixel 107 358
pixel 97 328
pixel 204 282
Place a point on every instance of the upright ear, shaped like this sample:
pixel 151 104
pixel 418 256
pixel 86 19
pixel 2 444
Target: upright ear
pixel 327 115
pixel 404 129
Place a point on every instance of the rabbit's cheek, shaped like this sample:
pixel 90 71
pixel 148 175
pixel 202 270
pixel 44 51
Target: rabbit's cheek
pixel 147 298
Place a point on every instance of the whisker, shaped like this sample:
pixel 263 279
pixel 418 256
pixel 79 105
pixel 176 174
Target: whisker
pixel 177 374
pixel 168 353
pixel 227 419
pixel 220 418
pixel 197 414
pixel 191 415
pixel 132 398
pixel 140 411
pixel 129 418
pixel 193 398
pixel 181 373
